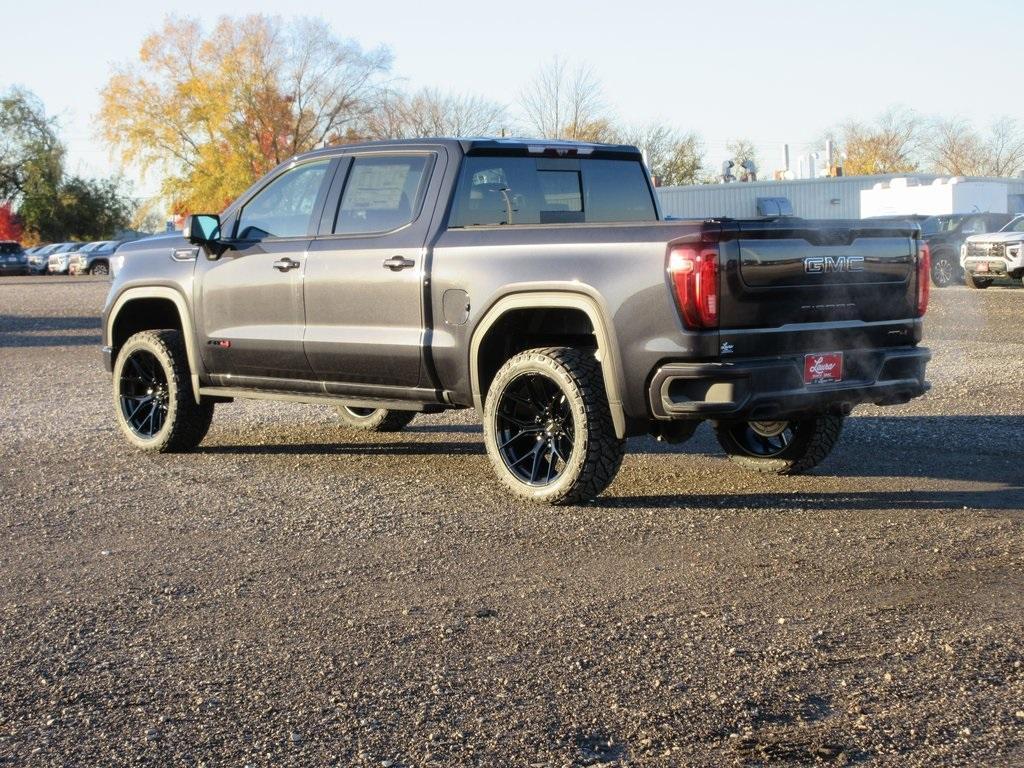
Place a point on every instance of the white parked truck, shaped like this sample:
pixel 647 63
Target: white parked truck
pixel 994 255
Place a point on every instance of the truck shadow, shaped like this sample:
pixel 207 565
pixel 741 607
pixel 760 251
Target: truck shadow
pixel 1006 499
pixel 964 448
pixel 44 331
pixel 406 448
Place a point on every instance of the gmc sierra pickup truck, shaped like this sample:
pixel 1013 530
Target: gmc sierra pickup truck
pixel 532 280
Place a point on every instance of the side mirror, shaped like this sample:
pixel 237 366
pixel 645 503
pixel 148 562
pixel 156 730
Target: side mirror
pixel 202 228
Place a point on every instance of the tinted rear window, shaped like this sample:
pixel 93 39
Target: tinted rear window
pixel 530 190
pixel 7 248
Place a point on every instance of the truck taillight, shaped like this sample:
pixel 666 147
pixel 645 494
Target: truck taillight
pixel 693 270
pixel 924 278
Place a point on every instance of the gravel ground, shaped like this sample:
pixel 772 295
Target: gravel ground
pixel 293 594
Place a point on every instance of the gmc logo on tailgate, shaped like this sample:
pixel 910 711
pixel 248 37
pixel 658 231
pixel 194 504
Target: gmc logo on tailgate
pixel 820 265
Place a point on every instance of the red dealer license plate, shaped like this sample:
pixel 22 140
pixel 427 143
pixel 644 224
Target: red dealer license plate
pixel 823 368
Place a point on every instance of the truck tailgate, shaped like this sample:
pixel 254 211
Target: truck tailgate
pixel 796 285
pixel 780 271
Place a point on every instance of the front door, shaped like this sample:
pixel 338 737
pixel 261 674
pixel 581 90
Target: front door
pixel 364 274
pixel 250 298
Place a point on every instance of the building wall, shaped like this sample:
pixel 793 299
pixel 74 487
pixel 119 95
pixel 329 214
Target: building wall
pixel 828 198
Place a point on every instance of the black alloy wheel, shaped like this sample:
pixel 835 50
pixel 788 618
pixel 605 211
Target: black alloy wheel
pixel 764 439
pixel 535 429
pixel 144 393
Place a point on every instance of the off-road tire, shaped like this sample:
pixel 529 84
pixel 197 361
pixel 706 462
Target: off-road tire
pixel 99 268
pixel 596 453
pixel 186 422
pixel 973 282
pixel 379 420
pixel 813 440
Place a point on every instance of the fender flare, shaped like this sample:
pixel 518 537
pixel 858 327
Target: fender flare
pixel 607 353
pixel 175 297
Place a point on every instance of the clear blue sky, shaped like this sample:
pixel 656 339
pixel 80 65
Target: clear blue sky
pixel 773 72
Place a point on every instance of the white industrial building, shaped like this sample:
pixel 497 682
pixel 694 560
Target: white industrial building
pixel 845 197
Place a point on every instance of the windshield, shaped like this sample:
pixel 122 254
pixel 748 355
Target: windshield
pixel 1017 225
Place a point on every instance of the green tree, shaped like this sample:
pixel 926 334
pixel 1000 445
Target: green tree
pixel 31 155
pixel 50 205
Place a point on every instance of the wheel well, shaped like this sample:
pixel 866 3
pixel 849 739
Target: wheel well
pixel 521 329
pixel 143 315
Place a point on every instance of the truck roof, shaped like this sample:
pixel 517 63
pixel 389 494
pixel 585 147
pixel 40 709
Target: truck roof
pixel 491 145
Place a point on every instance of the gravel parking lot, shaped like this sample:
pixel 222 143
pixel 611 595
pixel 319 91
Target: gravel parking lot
pixel 293 594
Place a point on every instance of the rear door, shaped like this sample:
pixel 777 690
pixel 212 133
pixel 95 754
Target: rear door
pixel 249 300
pixel 783 272
pixel 364 274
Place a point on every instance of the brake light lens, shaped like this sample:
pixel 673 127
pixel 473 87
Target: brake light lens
pixel 924 278
pixel 693 270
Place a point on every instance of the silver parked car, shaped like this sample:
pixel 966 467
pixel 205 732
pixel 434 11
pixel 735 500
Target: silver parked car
pixel 93 258
pixel 59 260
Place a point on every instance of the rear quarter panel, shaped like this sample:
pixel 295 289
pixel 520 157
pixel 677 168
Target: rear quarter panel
pixel 621 267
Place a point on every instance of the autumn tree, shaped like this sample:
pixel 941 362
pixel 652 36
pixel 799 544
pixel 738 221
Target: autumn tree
pixel 956 148
pixel 10 224
pixel 215 111
pixel 430 112
pixel 674 158
pixel 566 103
pixel 890 144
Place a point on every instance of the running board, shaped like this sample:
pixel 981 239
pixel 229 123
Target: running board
pixel 228 393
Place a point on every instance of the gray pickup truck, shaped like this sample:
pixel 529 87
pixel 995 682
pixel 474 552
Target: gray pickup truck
pixel 532 280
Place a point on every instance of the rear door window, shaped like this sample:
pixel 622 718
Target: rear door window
pixel 382 193
pixel 529 190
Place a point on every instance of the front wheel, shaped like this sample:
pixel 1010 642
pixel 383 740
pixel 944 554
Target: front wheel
pixel 153 396
pixel 974 282
pixel 99 268
pixel 780 447
pixel 374 419
pixel 946 270
pixel 548 427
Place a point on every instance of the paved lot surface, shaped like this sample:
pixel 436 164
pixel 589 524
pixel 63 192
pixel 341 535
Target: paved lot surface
pixel 293 594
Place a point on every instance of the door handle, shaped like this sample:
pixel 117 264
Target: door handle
pixel 396 263
pixel 283 265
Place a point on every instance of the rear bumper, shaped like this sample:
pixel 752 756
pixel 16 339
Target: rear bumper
pixel 773 388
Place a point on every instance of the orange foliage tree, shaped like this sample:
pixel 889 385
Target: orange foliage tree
pixel 10 224
pixel 213 112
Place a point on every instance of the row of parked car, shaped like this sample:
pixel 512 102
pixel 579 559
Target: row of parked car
pixel 69 258
pixel 973 248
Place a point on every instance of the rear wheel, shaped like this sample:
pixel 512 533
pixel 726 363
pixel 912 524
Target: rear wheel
pixel 780 447
pixel 374 419
pixel 946 270
pixel 548 427
pixel 153 396
pixel 974 282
